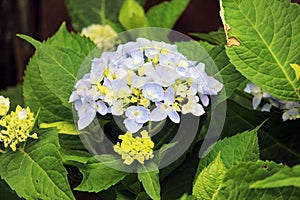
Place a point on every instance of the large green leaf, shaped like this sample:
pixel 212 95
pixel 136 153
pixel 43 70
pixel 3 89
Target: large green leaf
pixel 269 36
pixel 166 13
pixel 51 73
pixel 235 185
pixel 284 177
pixel 215 37
pixel 230 76
pixel 209 180
pixel 37 172
pixel 150 181
pixel 236 149
pixel 97 176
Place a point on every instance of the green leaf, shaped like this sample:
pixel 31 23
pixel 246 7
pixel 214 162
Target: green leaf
pixel 209 180
pixel 166 13
pixel 236 149
pixel 15 94
pixel 187 197
pixel 98 176
pixel 63 127
pixel 269 34
pixel 283 178
pixel 150 181
pixel 207 46
pixel 230 76
pixel 88 12
pixel 51 73
pixel 132 15
pixel 29 172
pixel 237 180
pixel 142 196
pixel 70 156
pixel 215 37
pixel 278 140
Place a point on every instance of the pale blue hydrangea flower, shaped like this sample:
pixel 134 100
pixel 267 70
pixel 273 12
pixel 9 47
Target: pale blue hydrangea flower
pixel 87 106
pixel 257 93
pixel 153 91
pixel 165 76
pixel 290 108
pixel 136 117
pixel 151 52
pixel 97 70
pixel 165 109
pixel 192 106
pixel 135 60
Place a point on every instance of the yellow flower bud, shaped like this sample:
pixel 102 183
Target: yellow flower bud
pixel 16 127
pixel 135 148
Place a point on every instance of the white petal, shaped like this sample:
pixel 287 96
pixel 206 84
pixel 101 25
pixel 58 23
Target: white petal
pixel 174 116
pixel 132 126
pixel 158 114
pixel 85 118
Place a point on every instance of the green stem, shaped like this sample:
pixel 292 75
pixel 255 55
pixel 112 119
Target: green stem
pixel 102 12
pixel 149 126
pixel 150 130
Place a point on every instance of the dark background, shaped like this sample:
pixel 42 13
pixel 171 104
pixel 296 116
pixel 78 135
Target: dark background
pixel 40 19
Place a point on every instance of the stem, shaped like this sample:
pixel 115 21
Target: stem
pixel 2 151
pixel 150 130
pixel 149 126
pixel 102 12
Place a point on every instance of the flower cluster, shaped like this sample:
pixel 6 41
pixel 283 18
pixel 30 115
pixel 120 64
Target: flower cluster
pixel 16 126
pixel 101 35
pixel 291 109
pixel 135 148
pixel 146 81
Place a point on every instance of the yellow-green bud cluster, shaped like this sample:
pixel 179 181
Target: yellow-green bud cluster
pixel 135 148
pixel 16 126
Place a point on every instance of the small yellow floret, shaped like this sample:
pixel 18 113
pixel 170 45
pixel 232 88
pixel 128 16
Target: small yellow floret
pixel 18 125
pixel 102 89
pixel 135 148
pixel 176 106
pixel 144 102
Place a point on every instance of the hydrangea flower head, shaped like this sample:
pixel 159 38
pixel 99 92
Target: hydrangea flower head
pixel 145 80
pixel 16 127
pixel 135 148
